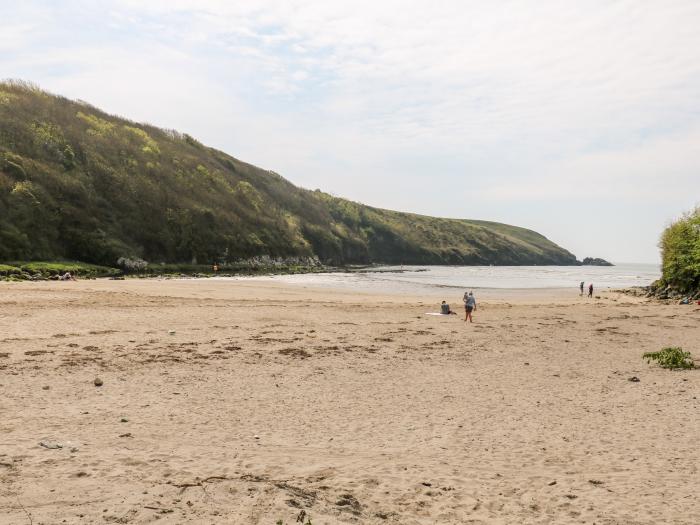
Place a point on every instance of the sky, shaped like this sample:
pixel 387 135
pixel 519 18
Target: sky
pixel 580 120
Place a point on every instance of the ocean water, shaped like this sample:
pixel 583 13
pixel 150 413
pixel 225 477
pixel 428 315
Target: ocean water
pixel 421 279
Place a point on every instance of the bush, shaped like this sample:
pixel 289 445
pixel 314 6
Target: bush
pixel 68 158
pixel 680 253
pixel 672 357
pixel 12 165
pixel 132 265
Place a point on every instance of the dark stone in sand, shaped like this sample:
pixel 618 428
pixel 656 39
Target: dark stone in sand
pixel 50 444
pixel 634 379
pixel 98 381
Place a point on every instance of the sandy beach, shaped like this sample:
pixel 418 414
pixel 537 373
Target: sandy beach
pixel 260 403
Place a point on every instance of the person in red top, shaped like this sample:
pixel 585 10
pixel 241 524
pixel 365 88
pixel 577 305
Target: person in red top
pixel 590 290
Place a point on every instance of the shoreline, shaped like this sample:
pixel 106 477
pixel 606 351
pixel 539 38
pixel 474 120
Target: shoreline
pixel 44 271
pixel 425 293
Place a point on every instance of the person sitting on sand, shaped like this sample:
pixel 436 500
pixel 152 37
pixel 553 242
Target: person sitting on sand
pixel 67 277
pixel 469 306
pixel 445 309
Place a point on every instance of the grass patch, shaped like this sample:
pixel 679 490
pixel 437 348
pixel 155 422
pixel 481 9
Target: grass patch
pixel 6 270
pixel 46 270
pixel 672 357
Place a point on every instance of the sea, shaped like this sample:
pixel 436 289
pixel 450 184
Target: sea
pixel 427 279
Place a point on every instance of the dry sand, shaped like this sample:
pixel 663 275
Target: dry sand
pixel 270 400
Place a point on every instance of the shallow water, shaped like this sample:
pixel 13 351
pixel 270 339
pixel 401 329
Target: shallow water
pixel 420 279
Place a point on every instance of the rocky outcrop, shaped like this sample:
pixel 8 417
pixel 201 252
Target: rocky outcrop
pixel 596 261
pixel 661 290
pixel 664 292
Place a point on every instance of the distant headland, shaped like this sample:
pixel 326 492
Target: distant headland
pixel 595 261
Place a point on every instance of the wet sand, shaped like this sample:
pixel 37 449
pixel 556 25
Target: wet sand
pixel 269 401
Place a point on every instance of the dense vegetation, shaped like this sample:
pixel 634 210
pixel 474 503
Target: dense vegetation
pixel 680 254
pixel 79 184
pixel 52 270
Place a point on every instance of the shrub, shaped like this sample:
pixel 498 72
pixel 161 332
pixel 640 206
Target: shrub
pixel 671 357
pixel 132 265
pixel 12 165
pixel 680 252
pixel 68 158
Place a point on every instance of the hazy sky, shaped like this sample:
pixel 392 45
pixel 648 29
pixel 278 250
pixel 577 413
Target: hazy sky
pixel 580 120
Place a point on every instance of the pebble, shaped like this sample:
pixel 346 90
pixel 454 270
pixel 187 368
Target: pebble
pixel 634 379
pixel 98 381
pixel 45 387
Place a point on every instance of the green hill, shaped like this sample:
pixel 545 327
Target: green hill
pixel 77 183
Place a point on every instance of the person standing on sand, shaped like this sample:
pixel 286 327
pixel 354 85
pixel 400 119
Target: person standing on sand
pixel 469 306
pixel 581 286
pixel 590 290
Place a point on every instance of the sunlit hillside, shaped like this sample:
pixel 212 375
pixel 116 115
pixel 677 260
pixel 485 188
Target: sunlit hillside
pixel 77 183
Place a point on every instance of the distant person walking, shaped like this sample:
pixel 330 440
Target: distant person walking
pixel 469 306
pixel 590 290
pixel 581 286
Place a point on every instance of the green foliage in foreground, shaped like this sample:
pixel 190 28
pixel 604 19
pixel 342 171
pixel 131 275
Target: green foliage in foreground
pixel 79 184
pixel 680 253
pixel 671 357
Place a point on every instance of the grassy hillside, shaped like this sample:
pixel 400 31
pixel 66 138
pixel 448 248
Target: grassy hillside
pixel 680 254
pixel 80 184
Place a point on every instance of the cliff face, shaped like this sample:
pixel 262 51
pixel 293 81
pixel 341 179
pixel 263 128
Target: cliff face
pixel 81 184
